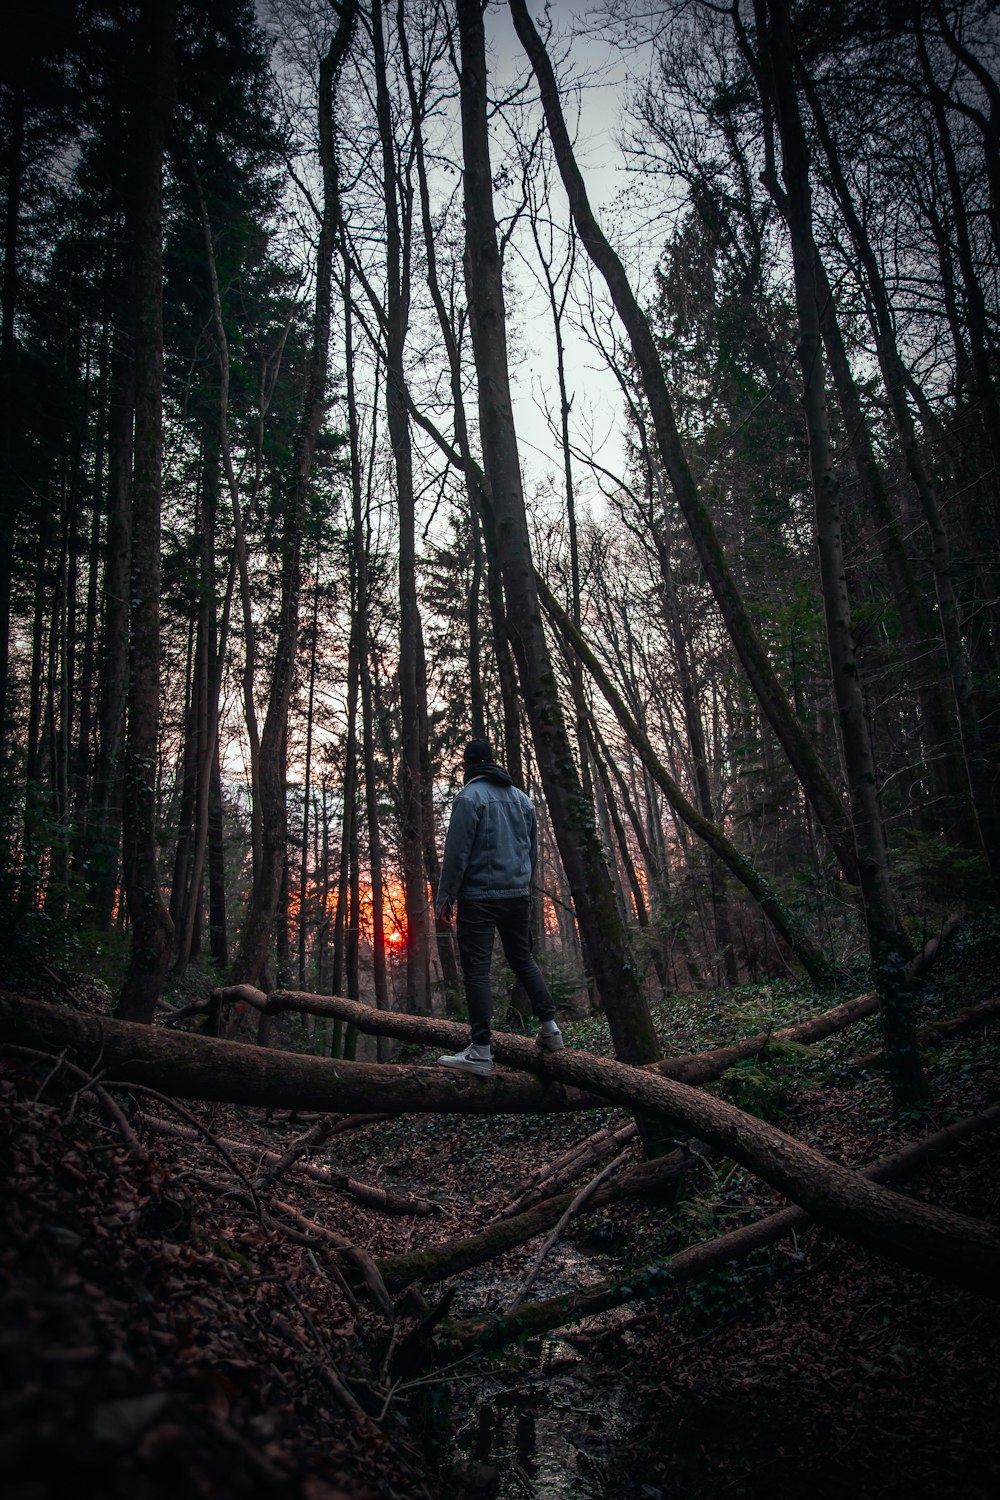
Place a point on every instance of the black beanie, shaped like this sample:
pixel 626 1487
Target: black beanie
pixel 478 753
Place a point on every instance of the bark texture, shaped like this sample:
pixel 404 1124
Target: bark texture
pixel 152 929
pixel 799 747
pixel 949 1246
pixel 602 931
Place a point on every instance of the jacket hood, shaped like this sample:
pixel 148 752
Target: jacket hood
pixel 489 771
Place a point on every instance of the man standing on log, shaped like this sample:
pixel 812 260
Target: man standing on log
pixel 487 871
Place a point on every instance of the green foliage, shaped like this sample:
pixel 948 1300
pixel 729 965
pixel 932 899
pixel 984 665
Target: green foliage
pixel 563 977
pixel 223 1249
pixel 720 1295
pixel 763 1085
pixel 932 873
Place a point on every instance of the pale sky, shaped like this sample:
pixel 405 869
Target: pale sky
pixel 594 115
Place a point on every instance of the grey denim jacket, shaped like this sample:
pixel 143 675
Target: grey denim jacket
pixel 491 848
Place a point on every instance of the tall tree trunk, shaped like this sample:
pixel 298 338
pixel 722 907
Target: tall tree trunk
pixel 896 381
pixel 104 828
pixel 84 760
pixel 780 917
pixel 268 877
pixel 188 769
pixel 602 932
pixel 8 391
pixel 412 686
pixel 152 929
pixel 699 750
pixel 794 738
pixel 306 783
pixel 888 946
pixel 218 932
pixel 361 623
pixel 474 483
pixel 976 315
pixel 947 775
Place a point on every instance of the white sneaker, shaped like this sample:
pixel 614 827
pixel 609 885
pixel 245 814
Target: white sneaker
pixel 475 1059
pixel 549 1037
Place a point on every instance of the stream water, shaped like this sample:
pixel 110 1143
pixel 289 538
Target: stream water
pixel 549 1422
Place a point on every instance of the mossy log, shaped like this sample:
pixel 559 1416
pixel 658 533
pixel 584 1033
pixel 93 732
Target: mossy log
pixel 197 1067
pixel 440 1261
pixel 940 1031
pixel 692 1263
pixel 946 1245
pixel 943 1244
pixel 695 1067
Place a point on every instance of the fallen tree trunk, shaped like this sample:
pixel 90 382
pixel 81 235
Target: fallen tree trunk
pixel 696 1261
pixel 940 1031
pixel 437 1262
pixel 696 1067
pixel 363 1192
pixel 197 1067
pixel 702 1067
pixel 565 1169
pixel 943 1244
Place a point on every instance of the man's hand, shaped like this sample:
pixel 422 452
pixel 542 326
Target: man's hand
pixel 444 912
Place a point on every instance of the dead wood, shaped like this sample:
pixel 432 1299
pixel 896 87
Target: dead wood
pixel 697 1260
pixel 943 1244
pixel 696 1067
pixel 363 1192
pixel 306 1231
pixel 324 1130
pixel 703 1067
pixel 939 1031
pixel 88 1084
pixel 323 1366
pixel 388 1203
pixel 564 1169
pixel 438 1262
pixel 582 1198
pixel 359 1258
pixel 196 1125
pixel 186 1066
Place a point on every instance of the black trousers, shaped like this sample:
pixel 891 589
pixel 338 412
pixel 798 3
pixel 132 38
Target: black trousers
pixel 477 922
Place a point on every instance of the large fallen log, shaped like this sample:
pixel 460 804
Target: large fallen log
pixel 943 1244
pixel 696 1261
pixel 437 1262
pixel 197 1067
pixel 941 1031
pixel 702 1067
pixel 695 1067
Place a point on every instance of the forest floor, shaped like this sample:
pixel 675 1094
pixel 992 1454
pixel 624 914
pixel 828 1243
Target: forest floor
pixel 160 1337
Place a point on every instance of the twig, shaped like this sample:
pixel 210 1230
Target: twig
pixel 360 1258
pixel 334 1270
pixel 203 1130
pixel 325 1371
pixel 362 1192
pixel 50 1075
pixel 324 1130
pixel 557 1229
pixel 565 1167
pixel 89 1084
pixel 443 1373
